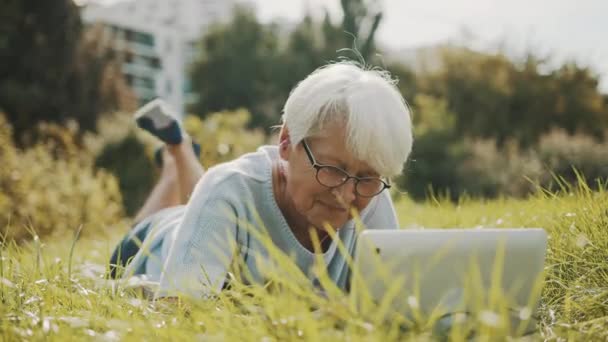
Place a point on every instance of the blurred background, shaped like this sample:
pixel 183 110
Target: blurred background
pixel 508 97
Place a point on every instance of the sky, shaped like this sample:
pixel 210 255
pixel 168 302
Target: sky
pixel 566 29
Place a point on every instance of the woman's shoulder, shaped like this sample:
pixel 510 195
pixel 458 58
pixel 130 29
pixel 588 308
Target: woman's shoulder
pixel 380 213
pixel 250 168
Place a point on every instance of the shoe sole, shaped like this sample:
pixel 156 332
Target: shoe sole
pixel 155 118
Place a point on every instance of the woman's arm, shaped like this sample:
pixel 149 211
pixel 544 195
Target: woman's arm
pixel 204 244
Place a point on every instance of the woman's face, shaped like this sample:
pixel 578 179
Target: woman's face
pixel 316 204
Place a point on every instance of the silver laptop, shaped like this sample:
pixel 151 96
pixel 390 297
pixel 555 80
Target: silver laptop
pixel 431 273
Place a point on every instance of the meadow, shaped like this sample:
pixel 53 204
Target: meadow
pixel 54 288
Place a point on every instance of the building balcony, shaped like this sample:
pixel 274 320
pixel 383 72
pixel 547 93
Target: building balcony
pixel 146 83
pixel 139 70
pixel 144 93
pixel 135 48
pixel 142 50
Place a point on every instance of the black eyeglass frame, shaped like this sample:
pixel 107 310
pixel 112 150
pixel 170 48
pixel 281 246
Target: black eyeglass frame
pixel 318 167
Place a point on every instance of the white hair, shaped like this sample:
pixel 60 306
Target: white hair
pixel 377 118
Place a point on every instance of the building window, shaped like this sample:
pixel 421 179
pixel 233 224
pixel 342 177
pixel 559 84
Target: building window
pixel 150 62
pixel 187 86
pixel 168 87
pixel 154 62
pixel 141 37
pixel 144 82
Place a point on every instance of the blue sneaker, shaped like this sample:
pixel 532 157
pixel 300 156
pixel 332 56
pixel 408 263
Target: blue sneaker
pixel 156 118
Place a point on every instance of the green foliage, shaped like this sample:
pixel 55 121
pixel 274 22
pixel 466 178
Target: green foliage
pixel 566 155
pixel 576 220
pixel 487 126
pixel 98 86
pixel 49 71
pixel 246 64
pixel 494 97
pixel 223 136
pixel 407 81
pixel 38 44
pixel 490 171
pixel 442 164
pixel 126 151
pixel 42 302
pixel 52 187
pixel 238 68
pixel 360 15
pixel 437 151
pixel 135 177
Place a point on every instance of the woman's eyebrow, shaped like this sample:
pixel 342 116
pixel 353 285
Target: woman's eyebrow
pixel 335 161
pixel 331 160
pixel 326 156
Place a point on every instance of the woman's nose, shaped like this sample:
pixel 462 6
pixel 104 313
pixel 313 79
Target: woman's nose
pixel 345 193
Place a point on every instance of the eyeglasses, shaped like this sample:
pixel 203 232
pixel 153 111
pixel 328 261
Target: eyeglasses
pixel 332 177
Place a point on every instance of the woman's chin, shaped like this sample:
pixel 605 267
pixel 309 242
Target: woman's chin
pixel 334 223
pixel 336 217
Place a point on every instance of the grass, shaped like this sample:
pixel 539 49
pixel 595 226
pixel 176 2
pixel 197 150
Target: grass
pixel 53 289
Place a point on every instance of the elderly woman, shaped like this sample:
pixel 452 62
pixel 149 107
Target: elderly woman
pixel 345 131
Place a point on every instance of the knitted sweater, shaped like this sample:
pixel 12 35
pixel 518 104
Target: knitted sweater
pixel 191 248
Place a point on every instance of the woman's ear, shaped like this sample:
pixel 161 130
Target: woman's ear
pixel 284 143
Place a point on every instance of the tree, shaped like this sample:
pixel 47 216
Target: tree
pixel 238 67
pixel 96 81
pixel 38 40
pixel 407 83
pixel 250 65
pixel 361 19
pixel 494 97
pixel 47 72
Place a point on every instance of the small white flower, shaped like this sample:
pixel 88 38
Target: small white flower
pixel 7 282
pixel 75 322
pixel 413 302
pixel 525 314
pixel 582 241
pixel 111 336
pixel 489 318
pixel 460 317
pixel 223 149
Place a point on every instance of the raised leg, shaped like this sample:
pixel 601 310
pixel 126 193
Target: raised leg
pixel 189 169
pixel 181 169
pixel 166 192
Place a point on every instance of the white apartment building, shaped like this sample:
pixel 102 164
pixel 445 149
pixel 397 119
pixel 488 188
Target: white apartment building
pixel 156 39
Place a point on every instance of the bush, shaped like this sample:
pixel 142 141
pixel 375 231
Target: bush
pixel 126 151
pixel 437 151
pixel 128 161
pixel 482 169
pixel 563 154
pixel 489 171
pixel 52 187
pixel 432 167
pixel 224 135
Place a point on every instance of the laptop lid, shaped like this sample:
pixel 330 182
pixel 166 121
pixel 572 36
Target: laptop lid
pixel 433 272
